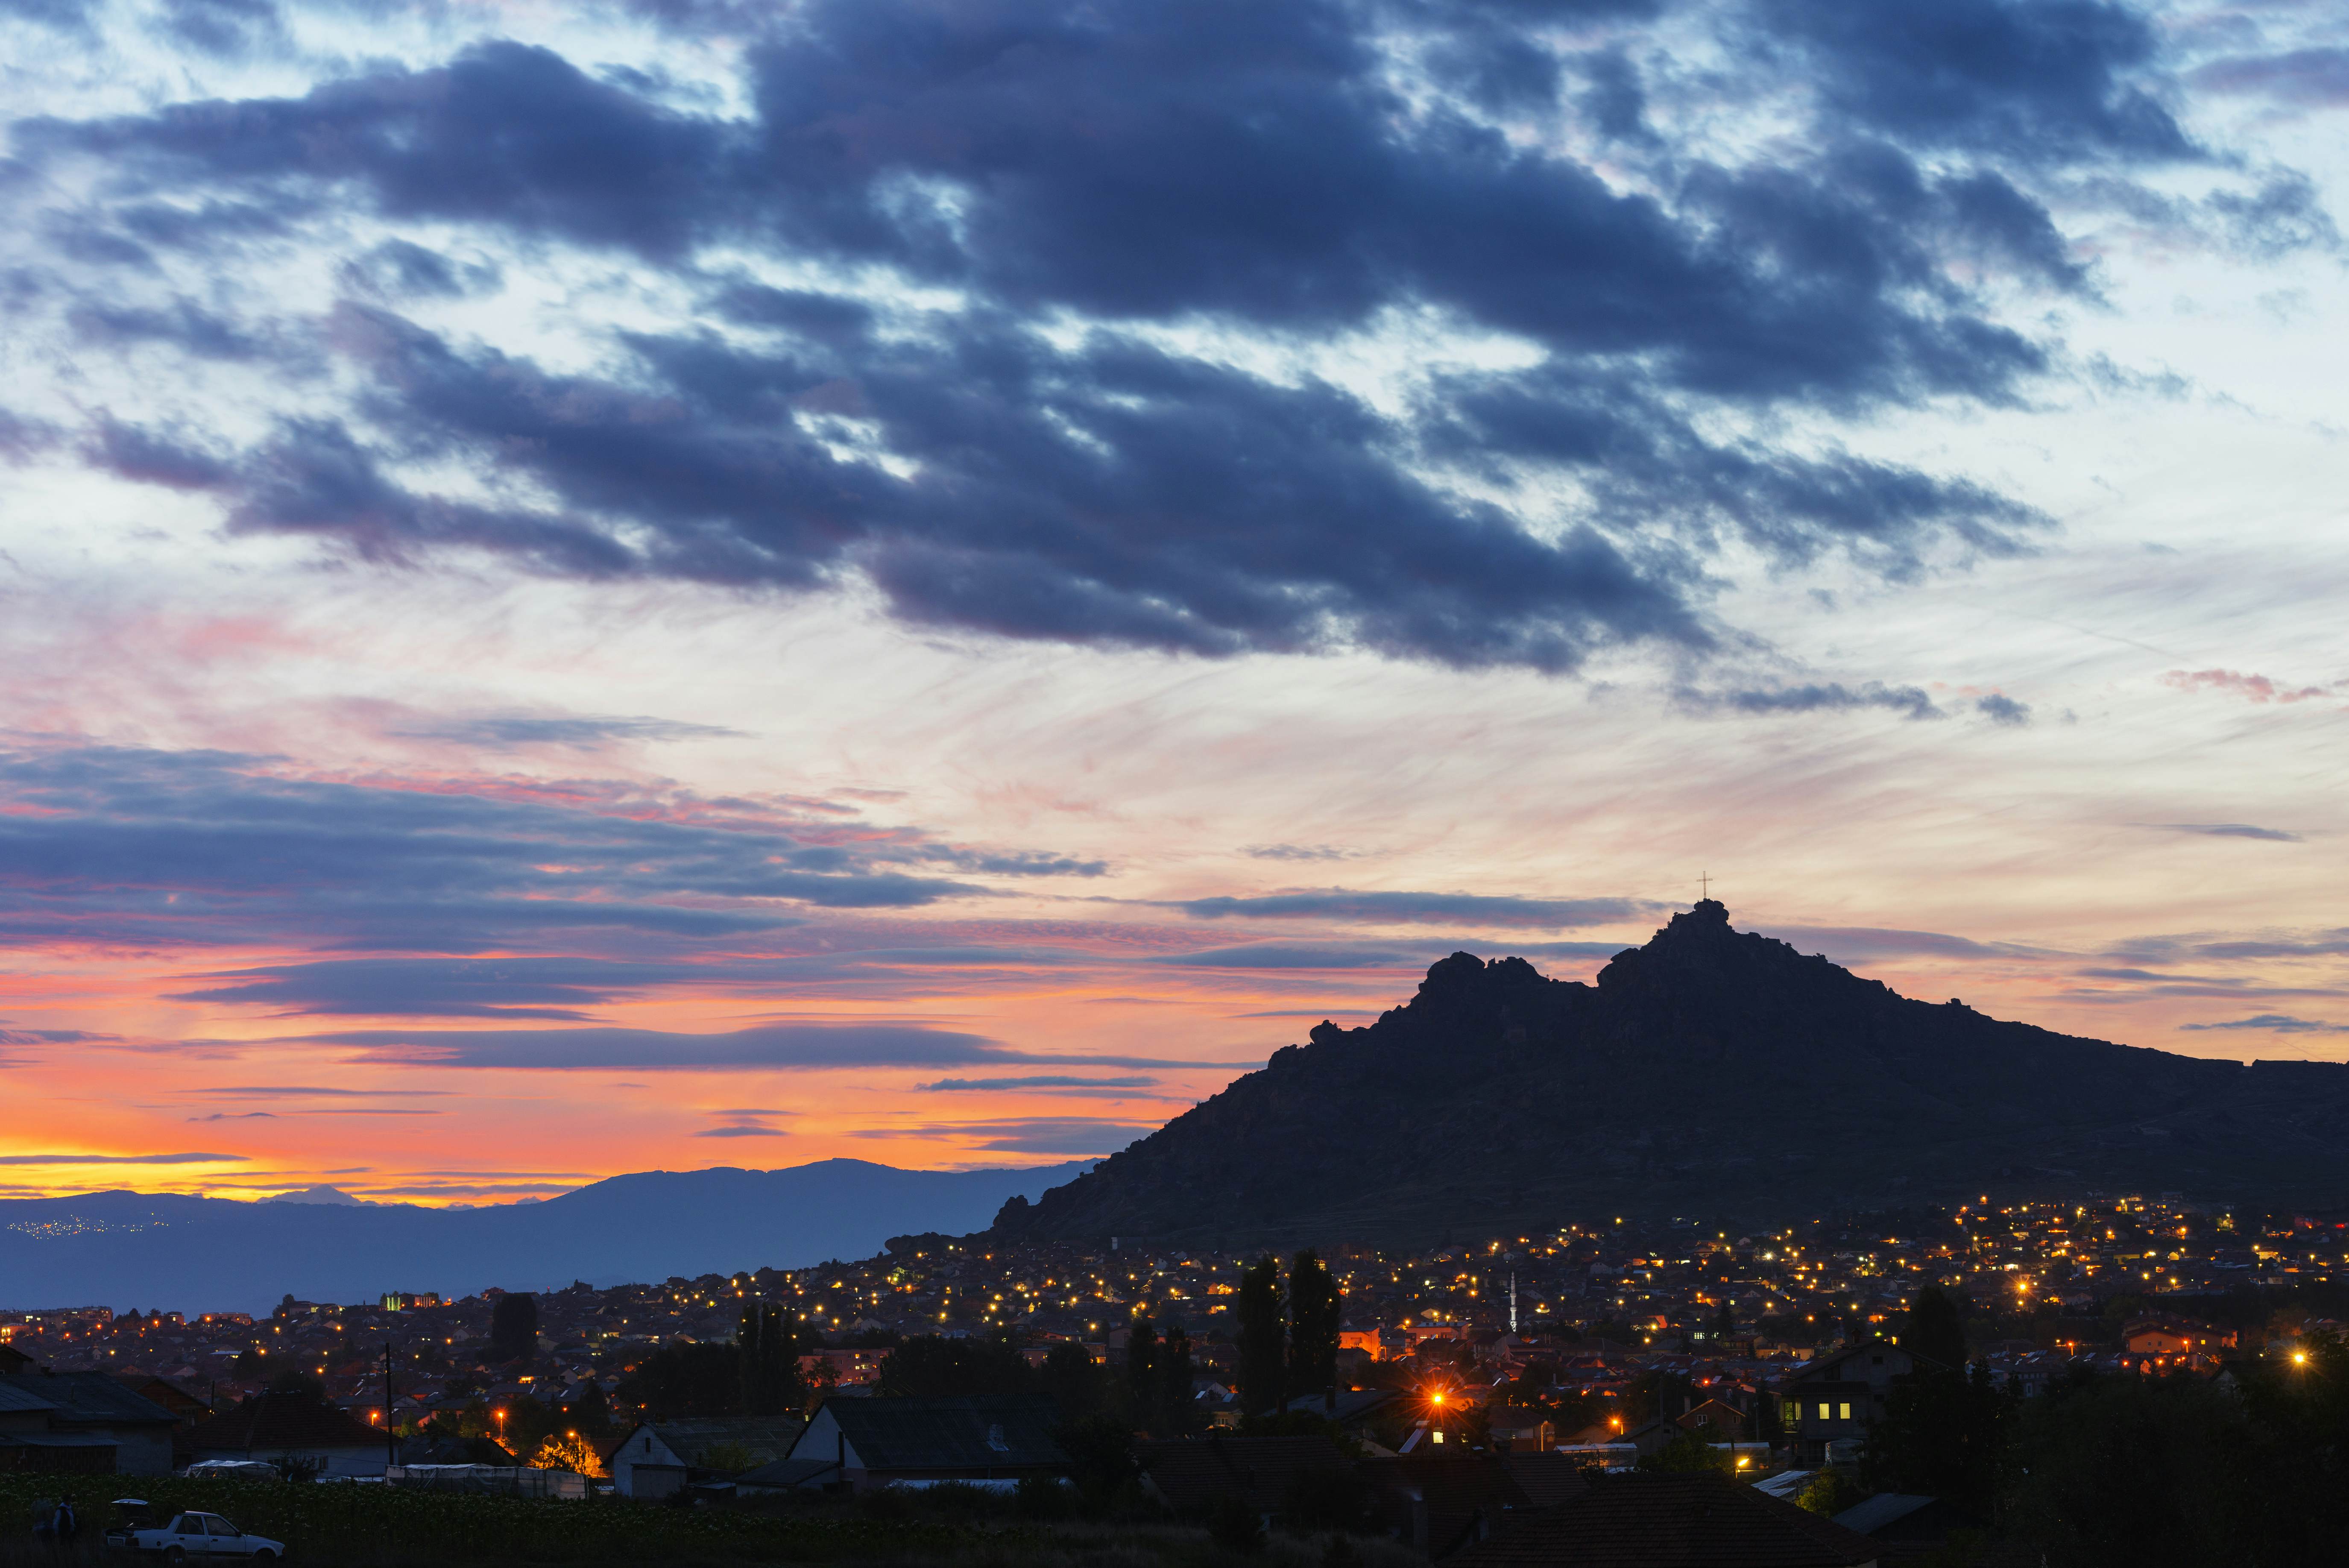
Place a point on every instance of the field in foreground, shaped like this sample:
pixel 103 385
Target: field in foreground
pixel 345 1526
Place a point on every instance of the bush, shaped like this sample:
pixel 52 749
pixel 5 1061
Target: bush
pixel 1236 1526
pixel 1042 1497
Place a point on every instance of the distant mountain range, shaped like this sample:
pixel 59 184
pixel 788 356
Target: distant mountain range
pixel 203 1254
pixel 1711 1074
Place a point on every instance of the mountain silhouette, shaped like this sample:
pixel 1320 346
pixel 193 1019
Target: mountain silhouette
pixel 1711 1074
pixel 209 1254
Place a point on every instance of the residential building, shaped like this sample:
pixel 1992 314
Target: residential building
pixel 866 1443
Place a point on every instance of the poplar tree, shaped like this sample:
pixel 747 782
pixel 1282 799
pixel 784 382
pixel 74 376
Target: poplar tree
pixel 767 1346
pixel 1175 1383
pixel 1263 1340
pixel 1142 1370
pixel 1316 1315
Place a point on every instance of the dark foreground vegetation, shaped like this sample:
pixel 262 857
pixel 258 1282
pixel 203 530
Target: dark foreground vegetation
pixel 347 1526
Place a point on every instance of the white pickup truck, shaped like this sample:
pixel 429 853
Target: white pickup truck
pixel 205 1535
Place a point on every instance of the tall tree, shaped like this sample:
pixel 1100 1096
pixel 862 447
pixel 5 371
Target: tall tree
pixel 1316 1315
pixel 768 1346
pixel 514 1327
pixel 1175 1416
pixel 929 1366
pixel 1142 1370
pixel 1936 1329
pixel 1264 1334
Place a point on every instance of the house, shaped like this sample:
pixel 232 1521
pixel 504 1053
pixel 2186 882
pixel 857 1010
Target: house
pixel 1902 1520
pixel 1838 1395
pixel 1440 1502
pixel 189 1409
pixel 1727 1421
pixel 1687 1520
pixel 1194 1475
pixel 293 1430
pixel 2173 1336
pixel 883 1442
pixel 82 1422
pixel 659 1458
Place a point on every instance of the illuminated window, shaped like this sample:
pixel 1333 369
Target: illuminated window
pixel 1842 1412
pixel 1823 1411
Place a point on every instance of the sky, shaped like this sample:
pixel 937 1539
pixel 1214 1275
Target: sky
pixel 599 587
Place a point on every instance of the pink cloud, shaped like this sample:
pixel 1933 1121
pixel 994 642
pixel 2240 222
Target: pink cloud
pixel 2254 688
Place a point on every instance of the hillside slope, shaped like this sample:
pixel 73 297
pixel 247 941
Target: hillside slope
pixel 1710 1073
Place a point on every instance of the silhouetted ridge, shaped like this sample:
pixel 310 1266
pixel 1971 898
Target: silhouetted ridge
pixel 1710 1071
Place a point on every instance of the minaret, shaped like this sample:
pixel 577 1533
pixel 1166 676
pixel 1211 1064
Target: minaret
pixel 1513 1301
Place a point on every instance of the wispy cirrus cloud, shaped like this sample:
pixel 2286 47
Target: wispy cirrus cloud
pixel 2228 830
pixel 2271 1023
pixel 1355 907
pixel 183 1159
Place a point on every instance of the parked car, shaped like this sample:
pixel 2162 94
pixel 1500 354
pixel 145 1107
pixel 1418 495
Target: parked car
pixel 202 1535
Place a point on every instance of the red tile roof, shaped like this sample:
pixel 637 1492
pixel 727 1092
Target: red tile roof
pixel 1672 1521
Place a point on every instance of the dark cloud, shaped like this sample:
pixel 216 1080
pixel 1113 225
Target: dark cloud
pixel 1233 164
pixel 398 270
pixel 2275 1024
pixel 1029 1135
pixel 2228 830
pixel 1116 1086
pixel 1418 908
pixel 743 1132
pixel 2002 710
pixel 9 1036
pixel 126 845
pixel 1297 852
pixel 2033 81
pixel 1828 697
pixel 545 988
pixel 762 1047
pixel 225 28
pixel 184 325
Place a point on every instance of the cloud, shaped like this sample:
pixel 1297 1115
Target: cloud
pixel 1037 1080
pixel 1029 1134
pixel 762 1047
pixel 124 1159
pixel 133 846
pixel 743 1132
pixel 2235 683
pixel 2030 83
pixel 545 988
pixel 2002 710
pixel 2276 1024
pixel 1036 450
pixel 1297 852
pixel 580 731
pixel 2317 78
pixel 312 1092
pixel 2228 830
pixel 1417 909
pixel 1274 956
pixel 1829 697
pixel 1848 944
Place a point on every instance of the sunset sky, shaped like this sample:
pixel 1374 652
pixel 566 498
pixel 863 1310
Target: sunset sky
pixel 591 588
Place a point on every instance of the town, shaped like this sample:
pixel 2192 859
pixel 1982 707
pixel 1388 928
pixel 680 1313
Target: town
pixel 1560 1339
